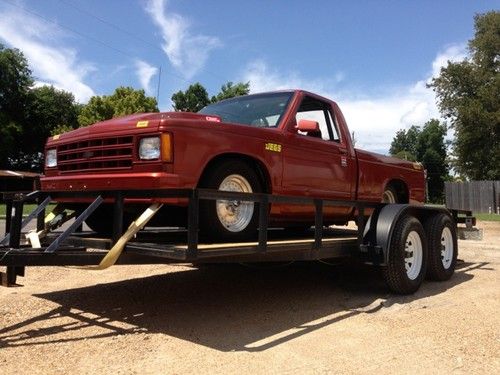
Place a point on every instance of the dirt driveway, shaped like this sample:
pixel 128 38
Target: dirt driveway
pixel 303 318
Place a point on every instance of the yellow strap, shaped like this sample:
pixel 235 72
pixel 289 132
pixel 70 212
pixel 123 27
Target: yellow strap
pixel 56 211
pixel 113 254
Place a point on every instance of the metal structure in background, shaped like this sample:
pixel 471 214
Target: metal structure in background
pixel 476 196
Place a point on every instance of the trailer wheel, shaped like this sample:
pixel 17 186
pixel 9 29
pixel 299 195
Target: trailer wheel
pixel 230 220
pixel 443 249
pixel 407 262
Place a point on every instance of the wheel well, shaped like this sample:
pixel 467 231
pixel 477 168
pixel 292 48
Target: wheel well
pixel 401 190
pixel 257 165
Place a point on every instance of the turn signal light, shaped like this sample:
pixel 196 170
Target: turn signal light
pixel 167 149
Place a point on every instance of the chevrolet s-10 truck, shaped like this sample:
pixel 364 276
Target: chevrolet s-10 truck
pixel 230 174
pixel 286 143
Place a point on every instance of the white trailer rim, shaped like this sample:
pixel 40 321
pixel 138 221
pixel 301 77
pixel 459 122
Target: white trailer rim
pixel 235 215
pixel 447 247
pixel 413 255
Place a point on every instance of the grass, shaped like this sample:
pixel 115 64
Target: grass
pixel 27 209
pixel 487 217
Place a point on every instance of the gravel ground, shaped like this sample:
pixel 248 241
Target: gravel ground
pixel 303 318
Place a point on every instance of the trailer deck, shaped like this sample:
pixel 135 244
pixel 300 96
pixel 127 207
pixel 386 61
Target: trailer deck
pixel 75 247
pixel 169 245
pixel 373 242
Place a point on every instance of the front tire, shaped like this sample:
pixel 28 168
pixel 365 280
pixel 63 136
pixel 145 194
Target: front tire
pixel 407 262
pixel 443 248
pixel 101 220
pixel 390 195
pixel 224 220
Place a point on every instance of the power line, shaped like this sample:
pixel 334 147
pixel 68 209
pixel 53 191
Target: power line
pixel 95 40
pixel 83 35
pixel 112 25
pixel 69 29
pixel 125 31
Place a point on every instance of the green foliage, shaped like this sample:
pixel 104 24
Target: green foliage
pixel 230 90
pixel 404 144
pixel 15 83
pixel 468 94
pixel 28 115
pixel 196 96
pixel 426 145
pixel 191 100
pixel 124 101
pixel 50 109
pixel 405 155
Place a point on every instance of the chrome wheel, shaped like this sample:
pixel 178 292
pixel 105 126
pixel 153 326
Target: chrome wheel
pixel 388 196
pixel 235 215
pixel 413 255
pixel 446 247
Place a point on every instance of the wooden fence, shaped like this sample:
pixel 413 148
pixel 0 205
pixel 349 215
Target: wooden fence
pixel 476 196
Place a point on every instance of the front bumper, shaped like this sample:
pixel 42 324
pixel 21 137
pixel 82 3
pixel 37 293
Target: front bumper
pixel 115 181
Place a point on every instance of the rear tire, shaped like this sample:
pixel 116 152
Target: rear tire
pixel 443 248
pixel 407 262
pixel 223 220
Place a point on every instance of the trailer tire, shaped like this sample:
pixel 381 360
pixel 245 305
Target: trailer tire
pixel 407 259
pixel 442 245
pixel 223 220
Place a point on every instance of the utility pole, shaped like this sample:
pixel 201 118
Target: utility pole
pixel 158 88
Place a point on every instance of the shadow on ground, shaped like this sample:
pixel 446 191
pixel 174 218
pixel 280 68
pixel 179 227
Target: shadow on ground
pixel 224 307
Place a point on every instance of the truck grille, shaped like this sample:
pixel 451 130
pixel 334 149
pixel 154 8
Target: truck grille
pixel 96 154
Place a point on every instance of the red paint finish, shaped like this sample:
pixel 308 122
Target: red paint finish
pixel 320 164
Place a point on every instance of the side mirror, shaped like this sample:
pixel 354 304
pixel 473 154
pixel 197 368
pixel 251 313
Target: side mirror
pixel 308 126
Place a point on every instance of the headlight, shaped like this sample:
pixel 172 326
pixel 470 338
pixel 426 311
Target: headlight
pixel 149 148
pixel 51 158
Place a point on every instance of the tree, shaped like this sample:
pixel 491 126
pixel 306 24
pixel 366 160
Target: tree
pixel 230 90
pixel 191 100
pixel 15 83
pixel 28 115
pixel 196 96
pixel 404 144
pixel 124 101
pixel 431 152
pixel 49 111
pixel 428 146
pixel 468 95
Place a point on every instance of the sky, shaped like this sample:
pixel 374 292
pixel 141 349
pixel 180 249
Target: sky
pixel 373 58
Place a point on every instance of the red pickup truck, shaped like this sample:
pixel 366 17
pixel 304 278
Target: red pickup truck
pixel 288 142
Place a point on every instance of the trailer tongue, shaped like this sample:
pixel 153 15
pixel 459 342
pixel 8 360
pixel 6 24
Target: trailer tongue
pixel 408 242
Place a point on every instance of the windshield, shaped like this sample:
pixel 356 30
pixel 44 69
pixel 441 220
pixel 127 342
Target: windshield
pixel 260 110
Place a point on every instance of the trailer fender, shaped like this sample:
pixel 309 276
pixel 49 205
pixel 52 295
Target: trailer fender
pixel 380 225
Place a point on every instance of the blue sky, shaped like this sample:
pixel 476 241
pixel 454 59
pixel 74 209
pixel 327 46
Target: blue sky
pixel 372 57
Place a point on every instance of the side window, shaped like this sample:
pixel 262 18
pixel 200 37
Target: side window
pixel 315 110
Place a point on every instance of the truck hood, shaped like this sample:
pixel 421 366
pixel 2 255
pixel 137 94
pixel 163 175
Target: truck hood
pixel 129 125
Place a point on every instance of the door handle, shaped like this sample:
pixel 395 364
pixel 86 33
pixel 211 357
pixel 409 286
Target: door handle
pixel 343 151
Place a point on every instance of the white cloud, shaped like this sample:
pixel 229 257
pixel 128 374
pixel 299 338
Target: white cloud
pixel 145 72
pixel 51 64
pixel 186 52
pixel 374 119
pixel 456 52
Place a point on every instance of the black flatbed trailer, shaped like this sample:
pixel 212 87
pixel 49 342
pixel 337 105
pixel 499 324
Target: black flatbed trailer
pixel 372 242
